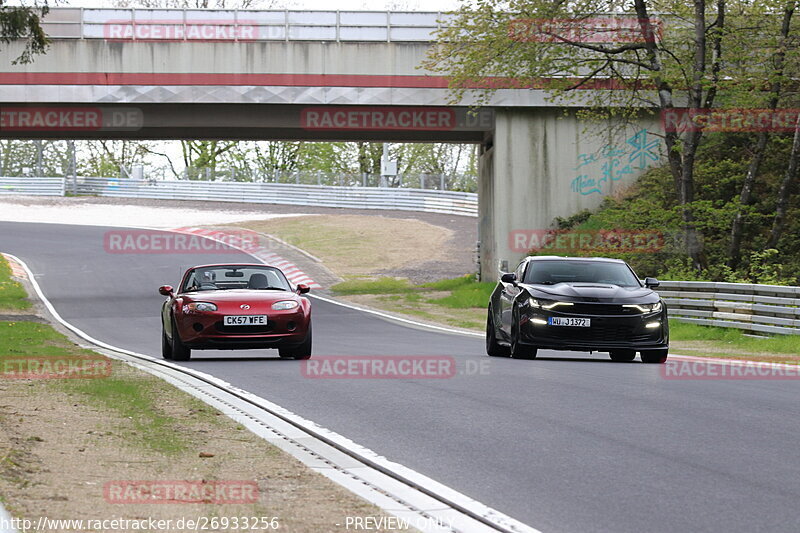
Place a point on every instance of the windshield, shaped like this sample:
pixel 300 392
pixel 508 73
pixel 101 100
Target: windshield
pixel 215 278
pixel 552 272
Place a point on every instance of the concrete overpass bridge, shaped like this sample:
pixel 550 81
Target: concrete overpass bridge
pixel 288 75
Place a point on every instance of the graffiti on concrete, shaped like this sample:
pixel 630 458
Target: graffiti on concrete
pixel 598 170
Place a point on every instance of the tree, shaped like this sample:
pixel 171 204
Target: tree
pixel 785 191
pixel 24 23
pixel 631 62
pixel 777 79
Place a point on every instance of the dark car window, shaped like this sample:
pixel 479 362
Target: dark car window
pixel 553 272
pixel 235 277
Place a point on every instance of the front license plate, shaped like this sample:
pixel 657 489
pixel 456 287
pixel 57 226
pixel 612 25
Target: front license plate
pixel 575 322
pixel 246 320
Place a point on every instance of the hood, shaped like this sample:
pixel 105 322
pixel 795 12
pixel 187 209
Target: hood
pixel 592 292
pixel 239 296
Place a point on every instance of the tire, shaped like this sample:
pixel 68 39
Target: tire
pixel 518 350
pixel 622 355
pixel 494 348
pixel 179 351
pixel 301 351
pixel 655 357
pixel 166 347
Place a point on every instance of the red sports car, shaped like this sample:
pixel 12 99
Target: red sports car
pixel 235 307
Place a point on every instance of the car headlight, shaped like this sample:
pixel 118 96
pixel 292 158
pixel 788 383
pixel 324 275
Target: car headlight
pixel 285 305
pixel 199 307
pixel 537 303
pixel 645 308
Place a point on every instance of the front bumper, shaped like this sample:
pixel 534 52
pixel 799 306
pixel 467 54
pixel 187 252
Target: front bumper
pixel 606 332
pixel 207 331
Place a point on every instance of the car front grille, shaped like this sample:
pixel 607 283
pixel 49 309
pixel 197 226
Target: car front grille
pixel 597 334
pixel 587 309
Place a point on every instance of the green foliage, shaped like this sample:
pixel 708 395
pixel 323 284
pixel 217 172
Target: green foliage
pixel 650 205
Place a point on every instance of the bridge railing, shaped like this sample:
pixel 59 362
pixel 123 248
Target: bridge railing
pixel 757 308
pixel 32 187
pixel 432 201
pixel 240 25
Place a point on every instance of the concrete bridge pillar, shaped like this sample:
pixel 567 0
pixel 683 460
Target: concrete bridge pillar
pixel 541 163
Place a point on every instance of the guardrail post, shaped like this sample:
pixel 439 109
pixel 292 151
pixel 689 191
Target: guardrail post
pixel 441 182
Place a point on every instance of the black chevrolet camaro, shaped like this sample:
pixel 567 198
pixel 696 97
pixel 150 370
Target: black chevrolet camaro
pixel 575 303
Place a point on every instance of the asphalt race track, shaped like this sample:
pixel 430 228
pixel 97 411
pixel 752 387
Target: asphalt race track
pixel 566 442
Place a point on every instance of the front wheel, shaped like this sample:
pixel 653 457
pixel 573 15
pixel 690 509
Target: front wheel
pixel 166 347
pixel 655 357
pixel 493 347
pixel 179 350
pixel 301 351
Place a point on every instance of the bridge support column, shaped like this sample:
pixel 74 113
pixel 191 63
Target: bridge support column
pixel 543 164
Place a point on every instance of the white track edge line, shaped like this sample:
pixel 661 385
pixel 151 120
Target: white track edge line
pixel 402 472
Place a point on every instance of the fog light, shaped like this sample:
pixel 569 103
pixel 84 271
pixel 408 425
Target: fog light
pixel 652 325
pixel 540 321
pixel 198 327
pixel 291 326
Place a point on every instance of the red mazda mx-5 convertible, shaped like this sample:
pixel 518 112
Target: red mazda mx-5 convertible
pixel 235 307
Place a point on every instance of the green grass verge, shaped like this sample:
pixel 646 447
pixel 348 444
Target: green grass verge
pixel 373 286
pixel 459 302
pixel 733 338
pixel 12 294
pixel 132 397
pixel 464 292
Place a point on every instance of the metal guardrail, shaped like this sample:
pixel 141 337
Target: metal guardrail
pixel 240 25
pixel 33 186
pixel 758 308
pixel 432 201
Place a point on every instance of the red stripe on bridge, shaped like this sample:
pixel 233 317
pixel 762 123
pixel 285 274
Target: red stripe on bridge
pixel 288 80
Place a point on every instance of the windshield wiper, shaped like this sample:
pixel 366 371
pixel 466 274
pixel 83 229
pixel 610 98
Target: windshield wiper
pixel 270 289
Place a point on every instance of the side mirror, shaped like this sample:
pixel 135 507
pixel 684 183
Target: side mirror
pixel 651 283
pixel 302 288
pixel 165 290
pixel 509 277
